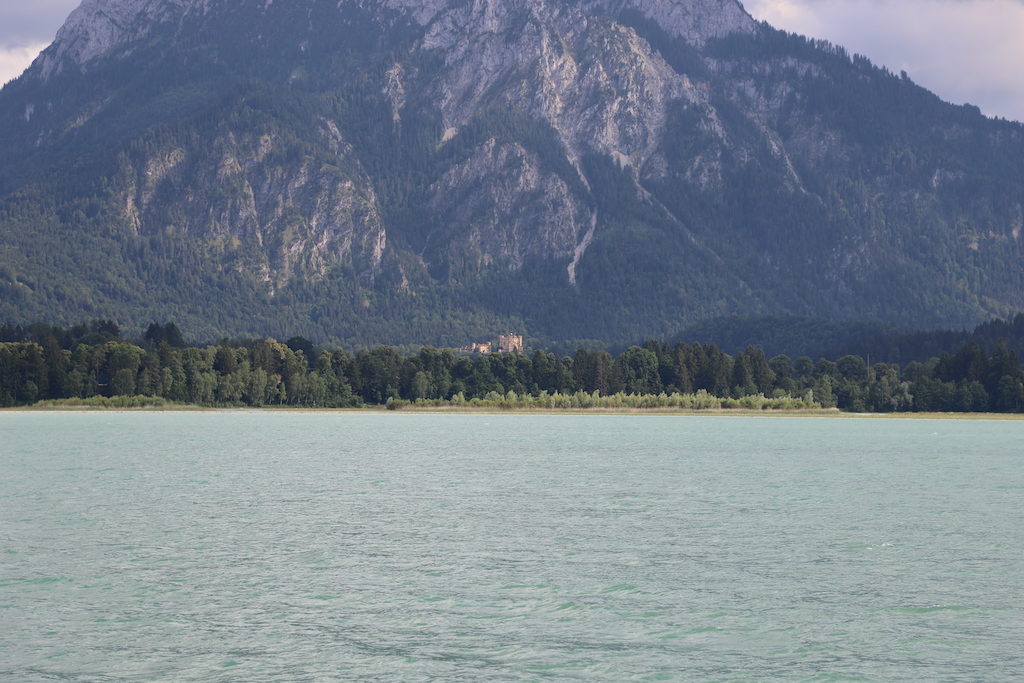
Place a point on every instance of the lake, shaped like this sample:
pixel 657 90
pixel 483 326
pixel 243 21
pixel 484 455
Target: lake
pixel 265 546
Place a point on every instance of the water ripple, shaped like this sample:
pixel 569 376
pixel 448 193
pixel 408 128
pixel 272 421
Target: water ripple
pixel 271 546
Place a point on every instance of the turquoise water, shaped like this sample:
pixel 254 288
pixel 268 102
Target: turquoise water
pixel 311 546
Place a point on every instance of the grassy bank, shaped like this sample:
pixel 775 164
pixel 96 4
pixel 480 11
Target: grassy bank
pixel 676 405
pixel 111 403
pixel 581 400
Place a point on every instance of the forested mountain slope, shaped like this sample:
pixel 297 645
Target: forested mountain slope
pixel 398 171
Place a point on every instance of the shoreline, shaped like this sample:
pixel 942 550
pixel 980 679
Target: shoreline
pixel 469 410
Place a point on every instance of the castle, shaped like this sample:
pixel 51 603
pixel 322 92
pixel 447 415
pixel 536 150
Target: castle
pixel 507 343
pixel 510 343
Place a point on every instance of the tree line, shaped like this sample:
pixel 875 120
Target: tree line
pixel 42 362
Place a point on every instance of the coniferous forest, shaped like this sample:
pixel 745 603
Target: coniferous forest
pixel 95 364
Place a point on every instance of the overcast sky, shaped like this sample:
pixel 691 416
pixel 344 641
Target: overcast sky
pixel 964 50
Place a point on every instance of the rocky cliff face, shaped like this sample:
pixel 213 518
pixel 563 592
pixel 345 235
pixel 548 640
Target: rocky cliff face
pixel 655 160
pixel 502 206
pixel 277 220
pixel 596 83
pixel 100 28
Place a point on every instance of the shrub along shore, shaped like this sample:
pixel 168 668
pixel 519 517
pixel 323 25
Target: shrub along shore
pixel 93 366
pixel 510 402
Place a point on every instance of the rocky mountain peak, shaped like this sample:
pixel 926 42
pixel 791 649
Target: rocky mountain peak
pixel 697 21
pixel 100 27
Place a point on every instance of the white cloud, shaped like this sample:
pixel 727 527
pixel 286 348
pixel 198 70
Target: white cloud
pixel 32 21
pixel 14 60
pixel 963 50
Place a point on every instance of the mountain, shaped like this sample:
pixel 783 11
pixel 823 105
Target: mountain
pixel 440 170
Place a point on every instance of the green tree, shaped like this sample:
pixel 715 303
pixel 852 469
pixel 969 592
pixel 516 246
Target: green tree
pixel 638 368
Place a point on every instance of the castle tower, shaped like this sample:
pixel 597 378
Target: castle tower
pixel 510 343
